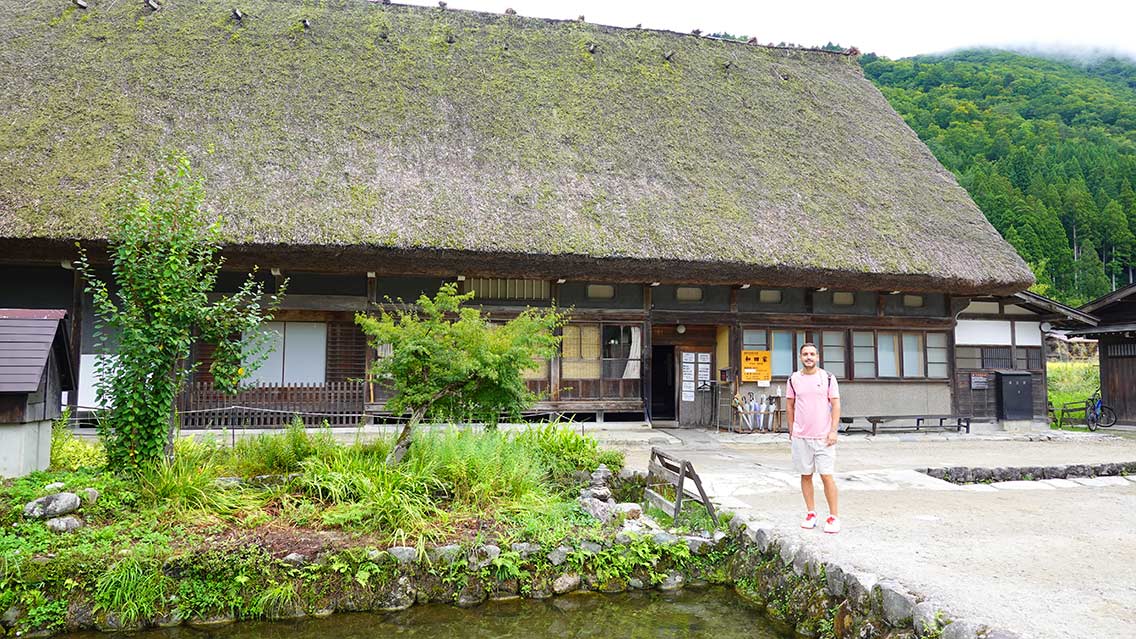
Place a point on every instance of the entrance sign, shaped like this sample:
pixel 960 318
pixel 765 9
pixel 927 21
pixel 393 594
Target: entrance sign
pixel 756 366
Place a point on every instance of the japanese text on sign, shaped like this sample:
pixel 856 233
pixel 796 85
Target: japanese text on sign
pixel 756 366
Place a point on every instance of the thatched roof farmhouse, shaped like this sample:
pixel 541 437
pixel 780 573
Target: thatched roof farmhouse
pixel 369 130
pixel 692 199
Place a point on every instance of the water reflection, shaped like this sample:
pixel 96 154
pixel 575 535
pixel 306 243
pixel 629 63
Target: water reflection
pixel 690 614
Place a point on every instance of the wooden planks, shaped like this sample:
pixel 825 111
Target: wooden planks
pixel 667 470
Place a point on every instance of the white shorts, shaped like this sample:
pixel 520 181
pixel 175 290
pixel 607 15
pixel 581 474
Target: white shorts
pixel 812 455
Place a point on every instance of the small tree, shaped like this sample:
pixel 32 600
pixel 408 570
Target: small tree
pixel 446 359
pixel 164 261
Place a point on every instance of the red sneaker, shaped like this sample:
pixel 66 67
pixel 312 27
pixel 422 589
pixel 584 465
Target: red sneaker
pixel 810 521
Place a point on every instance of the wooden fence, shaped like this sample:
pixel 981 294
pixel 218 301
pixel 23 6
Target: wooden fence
pixel 338 403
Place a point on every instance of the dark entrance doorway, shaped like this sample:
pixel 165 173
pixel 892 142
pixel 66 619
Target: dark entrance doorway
pixel 663 383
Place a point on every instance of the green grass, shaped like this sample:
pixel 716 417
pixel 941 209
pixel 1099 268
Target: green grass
pixel 1070 382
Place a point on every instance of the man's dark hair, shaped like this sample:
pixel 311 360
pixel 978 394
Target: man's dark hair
pixel 808 344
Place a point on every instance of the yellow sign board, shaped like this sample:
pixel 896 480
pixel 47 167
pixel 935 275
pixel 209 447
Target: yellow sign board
pixel 756 366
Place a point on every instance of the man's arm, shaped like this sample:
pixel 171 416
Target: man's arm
pixel 789 409
pixel 831 438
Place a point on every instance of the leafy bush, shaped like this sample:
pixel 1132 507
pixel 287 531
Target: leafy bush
pixel 68 452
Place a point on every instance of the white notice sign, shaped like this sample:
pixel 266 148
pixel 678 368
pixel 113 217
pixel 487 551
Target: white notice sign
pixel 703 372
pixel 687 396
pixel 704 357
pixel 688 357
pixel 688 371
pixel 688 386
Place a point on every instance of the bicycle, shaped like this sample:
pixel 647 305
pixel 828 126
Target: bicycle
pixel 1097 414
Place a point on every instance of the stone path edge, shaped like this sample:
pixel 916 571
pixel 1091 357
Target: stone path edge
pixel 979 475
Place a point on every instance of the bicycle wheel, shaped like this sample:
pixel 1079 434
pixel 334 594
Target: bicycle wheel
pixel 1107 416
pixel 1092 419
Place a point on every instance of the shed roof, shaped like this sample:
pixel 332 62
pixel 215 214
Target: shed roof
pixel 27 337
pixel 408 129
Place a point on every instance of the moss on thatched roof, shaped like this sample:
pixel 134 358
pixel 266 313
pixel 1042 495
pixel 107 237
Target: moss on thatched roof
pixel 410 128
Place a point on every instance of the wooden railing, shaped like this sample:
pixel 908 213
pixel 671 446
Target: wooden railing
pixel 337 403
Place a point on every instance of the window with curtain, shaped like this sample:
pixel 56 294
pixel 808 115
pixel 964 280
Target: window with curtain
pixel 887 354
pixel 622 345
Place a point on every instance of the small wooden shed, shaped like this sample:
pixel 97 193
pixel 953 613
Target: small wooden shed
pixel 1117 349
pixel 35 369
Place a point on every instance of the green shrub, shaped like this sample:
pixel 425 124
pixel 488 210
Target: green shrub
pixel 68 452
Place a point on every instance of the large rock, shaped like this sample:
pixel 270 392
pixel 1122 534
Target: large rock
pixel 602 493
pixel 961 630
pixel 858 586
pixel 404 555
pixel 601 510
pixel 55 505
pixel 566 583
pixel 664 538
pixel 629 510
pixel 897 603
pixel 558 555
pixel 482 556
pixel 834 576
pixel 54 487
pixel 525 550
pixel 674 581
pixel 64 524
pixel 295 559
pixel 447 554
pixel 926 617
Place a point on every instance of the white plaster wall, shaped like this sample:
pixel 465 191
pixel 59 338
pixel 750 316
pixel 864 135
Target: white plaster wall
pixel 860 399
pixel 24 448
pixel 982 307
pixel 988 332
pixel 1027 333
pixel 1014 309
pixel 87 379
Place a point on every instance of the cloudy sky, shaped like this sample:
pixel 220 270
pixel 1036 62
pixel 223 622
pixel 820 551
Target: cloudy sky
pixel 890 27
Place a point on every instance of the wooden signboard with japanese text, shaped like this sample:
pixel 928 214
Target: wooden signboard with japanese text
pixel 756 366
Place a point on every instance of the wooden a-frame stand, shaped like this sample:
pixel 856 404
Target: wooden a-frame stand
pixel 663 470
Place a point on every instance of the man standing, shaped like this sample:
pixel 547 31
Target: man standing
pixel 813 409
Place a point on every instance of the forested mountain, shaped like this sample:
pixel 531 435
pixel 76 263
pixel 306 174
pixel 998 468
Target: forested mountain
pixel 1046 147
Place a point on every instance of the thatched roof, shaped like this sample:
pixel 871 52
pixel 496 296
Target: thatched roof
pixel 388 128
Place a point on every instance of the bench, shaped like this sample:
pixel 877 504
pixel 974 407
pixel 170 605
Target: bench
pixel 957 422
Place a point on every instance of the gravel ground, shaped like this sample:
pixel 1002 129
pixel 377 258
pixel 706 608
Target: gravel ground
pixel 1047 561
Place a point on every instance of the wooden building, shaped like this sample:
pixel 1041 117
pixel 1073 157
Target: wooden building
pixel 1116 348
pixel 687 197
pixel 35 370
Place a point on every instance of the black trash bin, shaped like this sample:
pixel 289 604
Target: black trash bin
pixel 1014 395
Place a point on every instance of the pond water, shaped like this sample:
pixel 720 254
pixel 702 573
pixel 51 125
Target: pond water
pixel 715 613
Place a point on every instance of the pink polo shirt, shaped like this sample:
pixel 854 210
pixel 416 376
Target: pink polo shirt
pixel 812 417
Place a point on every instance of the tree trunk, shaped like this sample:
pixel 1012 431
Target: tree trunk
pixel 402 444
